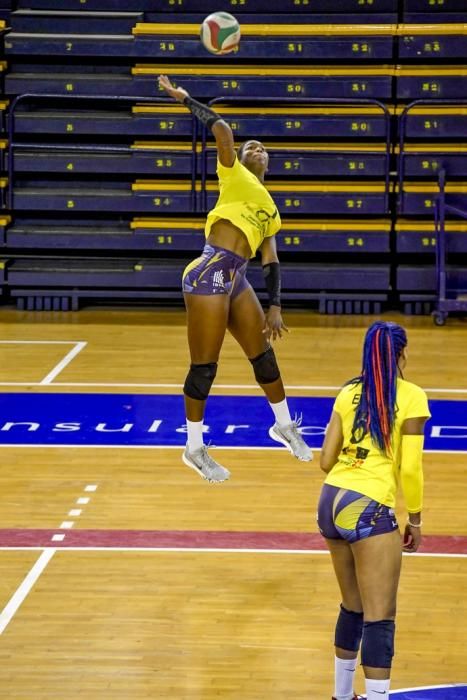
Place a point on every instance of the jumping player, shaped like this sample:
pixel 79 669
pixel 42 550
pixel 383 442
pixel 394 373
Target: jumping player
pixel 218 296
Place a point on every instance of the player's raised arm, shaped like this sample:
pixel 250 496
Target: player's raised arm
pixel 220 129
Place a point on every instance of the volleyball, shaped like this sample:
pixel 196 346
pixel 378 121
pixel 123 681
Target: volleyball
pixel 220 33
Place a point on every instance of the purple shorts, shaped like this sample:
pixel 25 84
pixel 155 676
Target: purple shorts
pixel 216 271
pixel 349 515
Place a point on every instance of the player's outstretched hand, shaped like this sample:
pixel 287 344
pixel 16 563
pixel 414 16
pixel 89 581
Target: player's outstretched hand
pixel 177 93
pixel 273 324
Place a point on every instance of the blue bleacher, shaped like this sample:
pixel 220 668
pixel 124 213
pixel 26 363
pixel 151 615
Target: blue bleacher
pixel 207 6
pixel 436 122
pixel 187 234
pixel 112 179
pixel 423 160
pixel 320 160
pixel 321 197
pixel 435 42
pixel 41 21
pixel 433 7
pixel 104 196
pixel 152 159
pixel 139 120
pixel 419 197
pixel 205 83
pixel 414 236
pixel 431 82
pixel 314 123
pixel 164 40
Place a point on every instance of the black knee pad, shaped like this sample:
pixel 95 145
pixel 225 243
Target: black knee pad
pixel 199 381
pixel 349 630
pixel 378 643
pixel 265 367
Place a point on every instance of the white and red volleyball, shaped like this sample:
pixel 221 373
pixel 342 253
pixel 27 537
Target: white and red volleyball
pixel 220 33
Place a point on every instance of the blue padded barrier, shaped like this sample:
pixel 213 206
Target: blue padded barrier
pixel 422 278
pixel 68 273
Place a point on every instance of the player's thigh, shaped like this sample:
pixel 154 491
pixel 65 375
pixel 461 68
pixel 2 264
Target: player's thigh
pixel 344 568
pixel 207 317
pixel 377 565
pixel 246 323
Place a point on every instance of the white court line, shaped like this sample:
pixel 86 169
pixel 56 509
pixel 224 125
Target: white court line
pixel 63 363
pixel 427 687
pixel 24 588
pixel 39 342
pixel 251 387
pixel 213 550
pixel 181 447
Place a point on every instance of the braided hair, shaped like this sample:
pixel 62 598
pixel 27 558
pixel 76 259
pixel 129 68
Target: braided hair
pixel 376 410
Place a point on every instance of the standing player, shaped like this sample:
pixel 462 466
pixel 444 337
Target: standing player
pixel 374 441
pixel 218 296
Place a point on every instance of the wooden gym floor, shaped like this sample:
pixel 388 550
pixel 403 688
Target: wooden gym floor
pixel 119 615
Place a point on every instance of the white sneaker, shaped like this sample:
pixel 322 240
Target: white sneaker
pixel 206 466
pixel 289 435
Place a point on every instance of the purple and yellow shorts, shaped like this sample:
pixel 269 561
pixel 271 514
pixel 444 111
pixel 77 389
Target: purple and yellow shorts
pixel 216 271
pixel 348 515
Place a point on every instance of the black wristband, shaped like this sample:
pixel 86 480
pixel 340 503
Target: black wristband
pixel 207 116
pixel 272 277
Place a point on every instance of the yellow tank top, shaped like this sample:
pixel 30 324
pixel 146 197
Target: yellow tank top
pixel 244 201
pixel 362 466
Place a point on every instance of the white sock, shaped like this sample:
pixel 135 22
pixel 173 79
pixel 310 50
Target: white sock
pixel 344 672
pixel 195 434
pixel 377 690
pixel 281 412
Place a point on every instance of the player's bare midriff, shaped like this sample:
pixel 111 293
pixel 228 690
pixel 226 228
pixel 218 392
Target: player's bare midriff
pixel 225 235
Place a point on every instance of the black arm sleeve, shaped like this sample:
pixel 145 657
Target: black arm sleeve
pixel 207 116
pixel 272 277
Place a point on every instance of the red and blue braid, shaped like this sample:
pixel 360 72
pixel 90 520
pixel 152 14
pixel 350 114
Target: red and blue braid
pixel 376 411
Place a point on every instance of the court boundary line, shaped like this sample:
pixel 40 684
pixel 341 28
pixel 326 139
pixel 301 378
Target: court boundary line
pixel 21 593
pixel 40 342
pixel 429 687
pixel 60 366
pixel 213 550
pixel 255 387
pixel 181 447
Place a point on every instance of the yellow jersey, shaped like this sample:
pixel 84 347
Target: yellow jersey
pixel 362 466
pixel 245 201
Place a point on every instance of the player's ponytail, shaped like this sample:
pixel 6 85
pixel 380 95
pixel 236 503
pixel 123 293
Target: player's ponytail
pixel 375 413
